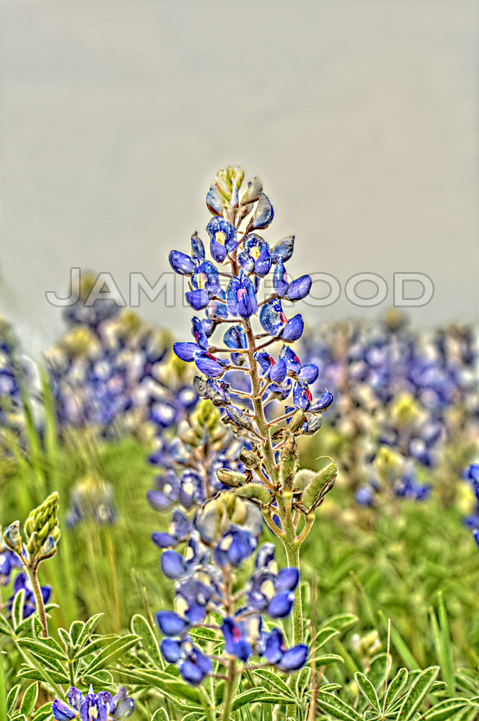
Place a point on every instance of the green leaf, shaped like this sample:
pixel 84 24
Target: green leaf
pixel 142 628
pixel 367 689
pixel 114 649
pixel 193 716
pixel 34 674
pixel 46 675
pixel 330 687
pixel 340 621
pixel 417 693
pixel 75 630
pixel 337 708
pixel 260 695
pixel 401 647
pixel 160 715
pixel 29 699
pixel 274 680
pixel 323 636
pixel 95 643
pixel 46 648
pixel 167 683
pixel 88 629
pixel 44 712
pixel 446 709
pixel 37 628
pixel 395 687
pixel 206 634
pixel 328 658
pixel 377 669
pixel 12 698
pixel 17 608
pixel 5 627
pixel 65 638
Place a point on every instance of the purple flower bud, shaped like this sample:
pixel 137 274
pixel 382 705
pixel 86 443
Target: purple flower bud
pixel 214 201
pixel 75 697
pixel 301 395
pixel 120 705
pixel 197 248
pixel 264 212
pixel 163 540
pixel 199 334
pixel 241 297
pixel 309 373
pixel 283 249
pixel 181 263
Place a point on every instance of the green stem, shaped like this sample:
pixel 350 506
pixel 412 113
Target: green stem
pixel 3 688
pixel 229 691
pixel 292 554
pixel 37 592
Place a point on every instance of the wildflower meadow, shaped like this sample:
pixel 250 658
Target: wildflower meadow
pixel 263 521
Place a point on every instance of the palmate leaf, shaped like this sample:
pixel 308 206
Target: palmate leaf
pixel 377 670
pixel 43 713
pixel 75 631
pixel 417 693
pixel 367 689
pixel 335 707
pixel 166 682
pixel 12 698
pixel 95 644
pixel 327 659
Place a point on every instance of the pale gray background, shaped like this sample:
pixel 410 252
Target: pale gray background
pixel 360 116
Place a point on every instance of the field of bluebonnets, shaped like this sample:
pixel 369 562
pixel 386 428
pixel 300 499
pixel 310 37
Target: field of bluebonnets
pixel 262 521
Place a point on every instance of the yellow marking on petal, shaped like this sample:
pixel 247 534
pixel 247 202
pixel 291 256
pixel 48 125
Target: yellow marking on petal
pixel 189 553
pixel 255 252
pixel 268 589
pixel 181 605
pixel 220 236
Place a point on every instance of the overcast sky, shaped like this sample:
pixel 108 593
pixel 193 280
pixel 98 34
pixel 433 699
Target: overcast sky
pixel 360 117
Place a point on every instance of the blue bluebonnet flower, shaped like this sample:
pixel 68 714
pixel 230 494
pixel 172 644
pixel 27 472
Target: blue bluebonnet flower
pixel 100 706
pixel 201 590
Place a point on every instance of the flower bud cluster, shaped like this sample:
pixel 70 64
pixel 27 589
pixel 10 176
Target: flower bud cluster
pixel 42 533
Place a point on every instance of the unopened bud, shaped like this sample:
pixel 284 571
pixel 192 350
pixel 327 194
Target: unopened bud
pixel 12 537
pixel 249 459
pixel 254 491
pixel 229 478
pixel 297 421
pixel 319 485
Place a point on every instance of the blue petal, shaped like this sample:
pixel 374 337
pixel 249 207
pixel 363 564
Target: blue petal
pixel 274 647
pixel 214 201
pixel 209 366
pixel 278 372
pixel 294 659
pixel 197 299
pixel 299 288
pixel 272 317
pixel 287 579
pixel 158 500
pixel 181 263
pixel 173 564
pixel 323 403
pixel 280 278
pixel 171 649
pixel 121 705
pixel 293 329
pixel 164 540
pixel 186 351
pixel 281 605
pixel 75 697
pixel 170 624
pixel 61 711
pixel 309 373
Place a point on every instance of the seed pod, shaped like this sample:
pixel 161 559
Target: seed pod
pixel 232 479
pixel 249 459
pixel 319 485
pixel 289 460
pixel 254 491
pixel 297 421
pixel 303 478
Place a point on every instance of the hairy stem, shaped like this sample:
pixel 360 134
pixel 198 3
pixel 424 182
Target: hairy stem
pixel 37 592
pixel 229 691
pixel 292 554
